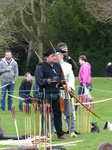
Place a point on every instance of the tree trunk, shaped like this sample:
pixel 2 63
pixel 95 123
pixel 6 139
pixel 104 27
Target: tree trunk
pixel 29 53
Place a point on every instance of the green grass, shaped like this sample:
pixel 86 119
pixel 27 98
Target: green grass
pixel 102 89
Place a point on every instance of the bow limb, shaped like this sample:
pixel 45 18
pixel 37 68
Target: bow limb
pixel 66 87
pixel 83 104
pixel 38 57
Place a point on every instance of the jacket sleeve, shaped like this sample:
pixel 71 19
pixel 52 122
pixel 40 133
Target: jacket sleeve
pixel 71 80
pixel 16 72
pixel 39 79
pixel 73 63
pixel 2 70
pixel 22 88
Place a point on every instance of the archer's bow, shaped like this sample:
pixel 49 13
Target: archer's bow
pixel 82 104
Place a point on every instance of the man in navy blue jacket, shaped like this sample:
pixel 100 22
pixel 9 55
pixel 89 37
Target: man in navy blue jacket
pixel 48 76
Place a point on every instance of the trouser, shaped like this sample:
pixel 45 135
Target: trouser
pixel 81 89
pixel 67 114
pixel 56 118
pixel 10 89
pixel 80 92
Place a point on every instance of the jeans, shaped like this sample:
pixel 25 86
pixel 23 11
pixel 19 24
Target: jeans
pixel 10 89
pixel 21 97
pixel 81 89
pixel 80 92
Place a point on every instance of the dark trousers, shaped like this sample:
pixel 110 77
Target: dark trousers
pixel 54 103
pixel 57 118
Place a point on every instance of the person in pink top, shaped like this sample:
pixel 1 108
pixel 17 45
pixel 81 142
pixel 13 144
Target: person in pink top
pixel 84 74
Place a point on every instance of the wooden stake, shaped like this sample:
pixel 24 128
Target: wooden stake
pixel 14 117
pixel 30 119
pixel 40 126
pixel 25 123
pixel 78 117
pixel 49 111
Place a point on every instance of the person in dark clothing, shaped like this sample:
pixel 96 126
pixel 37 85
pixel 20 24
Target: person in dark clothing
pixel 67 58
pixel 35 95
pixel 24 90
pixel 48 76
pixel 108 70
pixel 35 90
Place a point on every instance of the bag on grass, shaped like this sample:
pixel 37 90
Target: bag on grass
pixel 95 127
pixel 87 93
pixel 87 97
pixel 108 126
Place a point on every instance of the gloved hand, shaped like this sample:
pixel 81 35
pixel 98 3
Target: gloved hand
pixel 29 100
pixel 49 81
pixel 63 82
pixel 67 58
pixel 55 79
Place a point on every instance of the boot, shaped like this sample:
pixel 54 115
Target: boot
pixel 21 108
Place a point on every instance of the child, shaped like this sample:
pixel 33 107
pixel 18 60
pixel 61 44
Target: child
pixel 24 90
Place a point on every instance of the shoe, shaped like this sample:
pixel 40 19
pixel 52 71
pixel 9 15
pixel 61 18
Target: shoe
pixel 21 108
pixel 9 109
pixel 63 137
pixel 2 109
pixel 55 131
pixel 76 132
pixel 68 132
pixel 73 134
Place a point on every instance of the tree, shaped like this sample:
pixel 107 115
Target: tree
pixel 67 21
pixel 100 9
pixel 24 19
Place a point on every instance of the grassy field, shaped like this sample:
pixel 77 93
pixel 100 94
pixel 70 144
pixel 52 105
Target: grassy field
pixel 102 89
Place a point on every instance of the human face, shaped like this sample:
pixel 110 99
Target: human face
pixel 81 61
pixel 51 59
pixel 8 56
pixel 66 53
pixel 28 77
pixel 64 48
pixel 59 56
